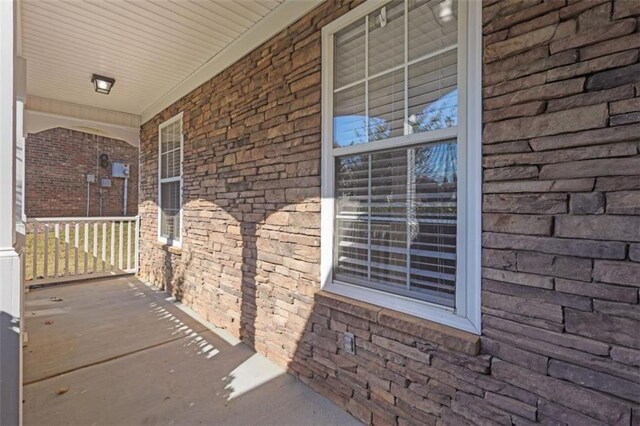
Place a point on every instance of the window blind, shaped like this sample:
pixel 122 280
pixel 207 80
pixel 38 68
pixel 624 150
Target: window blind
pixel 170 180
pixel 395 74
pixel 170 151
pixel 396 221
pixel 170 210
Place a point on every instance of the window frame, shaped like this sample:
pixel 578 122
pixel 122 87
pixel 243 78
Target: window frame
pixel 162 239
pixel 466 315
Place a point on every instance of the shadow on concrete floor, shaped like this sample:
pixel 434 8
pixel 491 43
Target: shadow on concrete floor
pixel 116 352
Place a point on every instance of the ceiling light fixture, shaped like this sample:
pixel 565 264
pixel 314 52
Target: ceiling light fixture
pixel 102 84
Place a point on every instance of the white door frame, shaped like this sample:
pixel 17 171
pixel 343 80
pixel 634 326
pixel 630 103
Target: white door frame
pixel 10 260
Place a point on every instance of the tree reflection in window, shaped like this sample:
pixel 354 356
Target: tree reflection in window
pixel 352 129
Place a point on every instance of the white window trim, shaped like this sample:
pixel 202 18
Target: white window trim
pixel 467 314
pixel 174 242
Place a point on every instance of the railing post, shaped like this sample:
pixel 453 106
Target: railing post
pixel 104 246
pixel 120 244
pixel 76 248
pixel 129 224
pixel 137 245
pixel 86 247
pixel 45 274
pixel 95 247
pixel 66 249
pixel 56 239
pixel 35 251
pixel 113 246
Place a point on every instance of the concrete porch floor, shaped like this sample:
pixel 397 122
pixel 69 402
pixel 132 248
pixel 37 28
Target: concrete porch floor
pixel 116 352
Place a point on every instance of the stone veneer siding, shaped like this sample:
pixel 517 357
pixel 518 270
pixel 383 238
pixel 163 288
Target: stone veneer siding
pixel 57 162
pixel 561 242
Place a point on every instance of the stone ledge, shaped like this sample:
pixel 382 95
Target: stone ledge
pixel 347 305
pixel 446 336
pixel 168 248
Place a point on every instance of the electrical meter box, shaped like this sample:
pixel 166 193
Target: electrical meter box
pixel 119 170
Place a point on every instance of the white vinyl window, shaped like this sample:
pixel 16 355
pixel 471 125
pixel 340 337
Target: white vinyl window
pixel 401 176
pixel 170 142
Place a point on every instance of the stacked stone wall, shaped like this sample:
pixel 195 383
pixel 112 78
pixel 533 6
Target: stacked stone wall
pixel 560 339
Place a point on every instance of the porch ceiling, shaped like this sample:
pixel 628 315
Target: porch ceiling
pixel 149 46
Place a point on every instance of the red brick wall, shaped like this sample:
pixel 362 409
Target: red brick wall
pixel 57 162
pixel 561 319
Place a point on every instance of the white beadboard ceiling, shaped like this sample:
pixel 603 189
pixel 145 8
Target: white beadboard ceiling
pixel 153 48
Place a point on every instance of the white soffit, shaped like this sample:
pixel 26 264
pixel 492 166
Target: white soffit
pixel 157 50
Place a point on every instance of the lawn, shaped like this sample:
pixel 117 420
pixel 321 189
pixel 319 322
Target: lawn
pixel 72 261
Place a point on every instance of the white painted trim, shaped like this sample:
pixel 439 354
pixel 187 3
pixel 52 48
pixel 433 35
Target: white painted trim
pixel 178 117
pixel 11 285
pixel 20 168
pixel 474 168
pixel 274 22
pixel 418 308
pixel 398 142
pixel 327 203
pixel 468 275
pixel 462 239
pixel 7 125
pixel 82 219
pixel 36 121
pixel 83 112
pixel 18 32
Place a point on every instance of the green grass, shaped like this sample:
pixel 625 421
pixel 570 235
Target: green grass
pixel 67 259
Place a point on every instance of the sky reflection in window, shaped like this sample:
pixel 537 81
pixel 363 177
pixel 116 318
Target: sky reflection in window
pixel 351 129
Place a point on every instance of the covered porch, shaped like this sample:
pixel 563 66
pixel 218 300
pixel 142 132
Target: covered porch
pixel 396 212
pixel 116 351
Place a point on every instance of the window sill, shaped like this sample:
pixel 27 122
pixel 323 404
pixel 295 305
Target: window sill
pixel 177 250
pixel 449 337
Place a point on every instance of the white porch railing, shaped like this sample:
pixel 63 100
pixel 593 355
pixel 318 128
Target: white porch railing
pixel 62 249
